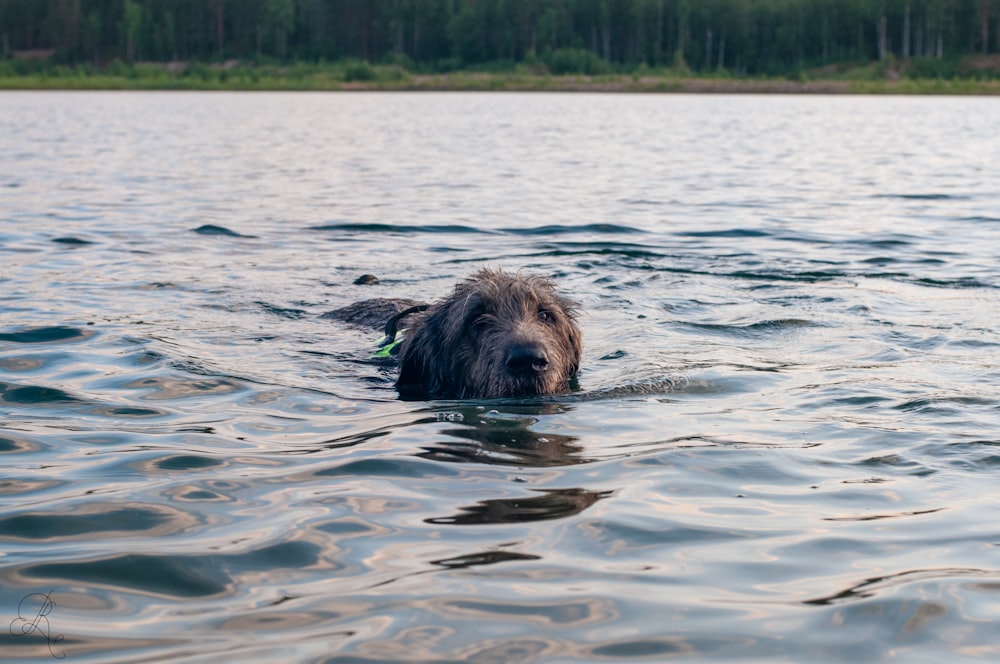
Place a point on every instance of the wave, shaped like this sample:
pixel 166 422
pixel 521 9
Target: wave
pixel 399 229
pixel 560 229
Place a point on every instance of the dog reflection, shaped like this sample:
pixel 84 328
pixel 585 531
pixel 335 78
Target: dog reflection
pixel 506 439
pixel 551 504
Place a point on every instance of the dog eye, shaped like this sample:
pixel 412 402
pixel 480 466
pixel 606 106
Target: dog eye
pixel 544 316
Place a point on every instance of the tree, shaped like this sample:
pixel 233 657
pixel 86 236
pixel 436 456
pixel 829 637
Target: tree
pixel 131 23
pixel 280 15
pixel 748 36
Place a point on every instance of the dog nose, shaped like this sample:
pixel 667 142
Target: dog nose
pixel 526 359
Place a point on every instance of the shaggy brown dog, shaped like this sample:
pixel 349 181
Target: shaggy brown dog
pixel 496 335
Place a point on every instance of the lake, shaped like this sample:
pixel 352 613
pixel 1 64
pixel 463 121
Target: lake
pixel 783 445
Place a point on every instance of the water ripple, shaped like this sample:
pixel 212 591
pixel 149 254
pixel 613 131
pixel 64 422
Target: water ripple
pixel 781 445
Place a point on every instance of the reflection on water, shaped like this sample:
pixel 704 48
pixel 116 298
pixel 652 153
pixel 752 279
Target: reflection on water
pixel 94 519
pixel 552 504
pixel 508 438
pixel 781 445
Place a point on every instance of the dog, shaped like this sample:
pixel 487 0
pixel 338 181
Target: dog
pixel 496 335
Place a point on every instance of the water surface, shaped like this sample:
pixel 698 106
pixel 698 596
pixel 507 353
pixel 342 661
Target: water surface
pixel 783 446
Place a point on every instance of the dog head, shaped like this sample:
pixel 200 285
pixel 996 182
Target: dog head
pixel 496 335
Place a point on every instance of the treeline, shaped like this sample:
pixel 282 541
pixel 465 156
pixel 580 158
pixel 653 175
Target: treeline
pixel 586 36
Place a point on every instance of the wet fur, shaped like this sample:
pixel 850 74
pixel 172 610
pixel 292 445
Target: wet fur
pixel 462 346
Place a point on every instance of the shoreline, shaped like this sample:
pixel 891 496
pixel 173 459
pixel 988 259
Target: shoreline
pixel 321 81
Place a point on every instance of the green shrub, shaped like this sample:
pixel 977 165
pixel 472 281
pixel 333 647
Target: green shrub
pixel 447 65
pixel 358 70
pixel 401 60
pixel 117 68
pixel 200 71
pixel 575 61
pixel 931 67
pixel 32 66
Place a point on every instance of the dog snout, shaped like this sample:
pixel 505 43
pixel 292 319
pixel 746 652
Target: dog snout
pixel 525 359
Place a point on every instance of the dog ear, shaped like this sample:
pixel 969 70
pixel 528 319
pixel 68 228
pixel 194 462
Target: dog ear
pixel 573 334
pixel 424 373
pixel 413 374
pixel 577 345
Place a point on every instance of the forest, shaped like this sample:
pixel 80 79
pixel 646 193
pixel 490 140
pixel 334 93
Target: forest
pixel 742 37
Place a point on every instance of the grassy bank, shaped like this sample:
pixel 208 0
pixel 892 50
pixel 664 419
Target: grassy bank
pixel 882 78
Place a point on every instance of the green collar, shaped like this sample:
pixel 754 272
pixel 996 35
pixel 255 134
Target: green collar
pixel 389 347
